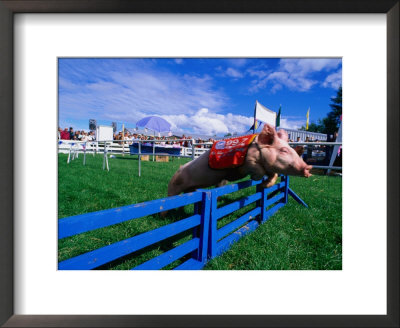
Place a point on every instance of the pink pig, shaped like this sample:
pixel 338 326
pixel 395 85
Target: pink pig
pixel 269 154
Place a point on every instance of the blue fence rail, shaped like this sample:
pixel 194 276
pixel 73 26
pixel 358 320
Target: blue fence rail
pixel 207 240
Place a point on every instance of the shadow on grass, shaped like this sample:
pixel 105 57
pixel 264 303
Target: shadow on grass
pixel 156 249
pixel 145 254
pixel 127 158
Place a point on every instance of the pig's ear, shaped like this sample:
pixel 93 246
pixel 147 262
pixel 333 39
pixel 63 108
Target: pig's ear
pixel 299 150
pixel 283 135
pixel 267 135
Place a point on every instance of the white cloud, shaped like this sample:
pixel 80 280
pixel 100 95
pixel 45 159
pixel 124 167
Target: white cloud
pixel 292 124
pixel 178 60
pixel 257 72
pixel 208 123
pixel 228 72
pixel 233 73
pixel 333 80
pixel 129 96
pixel 204 122
pixel 295 74
pixel 302 67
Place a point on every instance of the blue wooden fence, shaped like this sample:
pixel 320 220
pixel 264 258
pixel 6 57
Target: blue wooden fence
pixel 207 240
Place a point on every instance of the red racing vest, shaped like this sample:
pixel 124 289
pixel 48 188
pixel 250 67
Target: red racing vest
pixel 229 153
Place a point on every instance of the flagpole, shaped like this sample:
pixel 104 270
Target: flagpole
pixel 278 118
pixel 254 123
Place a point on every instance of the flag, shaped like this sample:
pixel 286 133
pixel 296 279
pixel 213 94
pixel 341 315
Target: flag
pixel 308 117
pixel 255 126
pixel 278 117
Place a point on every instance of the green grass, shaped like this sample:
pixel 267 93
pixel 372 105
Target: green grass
pixel 295 238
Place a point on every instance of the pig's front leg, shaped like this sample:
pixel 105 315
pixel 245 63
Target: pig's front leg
pixel 270 181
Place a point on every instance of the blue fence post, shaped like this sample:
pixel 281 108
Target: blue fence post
pixel 297 198
pixel 261 202
pixel 285 200
pixel 204 226
pixel 212 238
pixel 196 230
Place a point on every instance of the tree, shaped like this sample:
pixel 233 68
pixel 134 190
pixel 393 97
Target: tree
pixel 314 127
pixel 332 121
pixel 329 124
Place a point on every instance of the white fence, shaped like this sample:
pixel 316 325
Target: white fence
pixel 120 147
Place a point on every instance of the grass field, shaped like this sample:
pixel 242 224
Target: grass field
pixel 295 238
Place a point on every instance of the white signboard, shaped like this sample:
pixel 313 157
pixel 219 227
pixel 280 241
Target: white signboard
pixel 262 113
pixel 104 133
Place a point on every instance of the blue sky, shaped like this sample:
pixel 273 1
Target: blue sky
pixel 197 96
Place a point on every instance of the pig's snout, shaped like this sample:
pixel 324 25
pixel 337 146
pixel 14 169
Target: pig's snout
pixel 299 169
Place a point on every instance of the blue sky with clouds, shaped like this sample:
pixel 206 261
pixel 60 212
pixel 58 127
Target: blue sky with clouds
pixel 196 95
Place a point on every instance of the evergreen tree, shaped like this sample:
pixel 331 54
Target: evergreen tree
pixel 314 127
pixel 332 121
pixel 329 124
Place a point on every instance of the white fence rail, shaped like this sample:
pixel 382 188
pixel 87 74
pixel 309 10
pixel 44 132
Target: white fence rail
pixel 121 147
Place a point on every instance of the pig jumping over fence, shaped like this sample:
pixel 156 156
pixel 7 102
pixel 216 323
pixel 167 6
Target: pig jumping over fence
pixel 269 154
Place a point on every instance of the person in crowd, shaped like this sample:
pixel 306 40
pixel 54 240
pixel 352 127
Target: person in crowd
pixel 91 136
pixel 188 142
pixel 71 133
pixel 84 136
pixel 127 137
pixel 65 134
pixel 162 139
pixel 182 142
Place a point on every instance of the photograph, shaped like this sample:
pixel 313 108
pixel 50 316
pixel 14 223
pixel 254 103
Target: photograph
pixel 199 163
pixel 176 164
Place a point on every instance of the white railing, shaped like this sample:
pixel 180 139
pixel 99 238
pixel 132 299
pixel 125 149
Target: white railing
pixel 74 147
pixel 122 147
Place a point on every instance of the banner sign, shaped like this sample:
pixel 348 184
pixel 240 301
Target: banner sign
pixel 262 113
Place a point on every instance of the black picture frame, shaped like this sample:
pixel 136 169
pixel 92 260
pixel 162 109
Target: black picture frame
pixel 7 11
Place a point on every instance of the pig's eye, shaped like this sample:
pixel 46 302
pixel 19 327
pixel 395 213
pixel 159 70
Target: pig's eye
pixel 284 150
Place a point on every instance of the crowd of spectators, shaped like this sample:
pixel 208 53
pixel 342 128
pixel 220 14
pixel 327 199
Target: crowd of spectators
pixel 184 141
pixel 70 134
